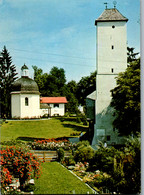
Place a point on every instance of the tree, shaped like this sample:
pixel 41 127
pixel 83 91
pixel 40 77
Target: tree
pixel 85 86
pixel 70 93
pixel 52 84
pixel 7 77
pixel 126 100
pixel 131 55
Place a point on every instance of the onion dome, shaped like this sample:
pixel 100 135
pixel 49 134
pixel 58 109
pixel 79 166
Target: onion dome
pixel 25 84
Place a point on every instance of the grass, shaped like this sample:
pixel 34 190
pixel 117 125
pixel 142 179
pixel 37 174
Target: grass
pixel 29 130
pixel 56 179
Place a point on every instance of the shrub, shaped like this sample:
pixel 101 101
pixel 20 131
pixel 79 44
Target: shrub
pixel 18 163
pixel 84 153
pixel 82 143
pixel 69 160
pixel 60 153
pixel 78 120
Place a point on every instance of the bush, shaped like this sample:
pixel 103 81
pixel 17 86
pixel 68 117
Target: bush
pixel 18 163
pixel 82 143
pixel 69 161
pixel 13 142
pixel 78 120
pixel 60 153
pixel 84 153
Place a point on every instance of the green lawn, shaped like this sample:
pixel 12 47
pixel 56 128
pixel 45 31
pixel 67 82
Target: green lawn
pixel 56 179
pixel 26 130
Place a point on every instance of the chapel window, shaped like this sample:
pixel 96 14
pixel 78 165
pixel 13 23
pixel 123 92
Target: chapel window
pixel 26 101
pixel 112 70
pixel 113 26
pixel 112 47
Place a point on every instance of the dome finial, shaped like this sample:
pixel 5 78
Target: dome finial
pixel 106 4
pixel 24 71
pixel 114 2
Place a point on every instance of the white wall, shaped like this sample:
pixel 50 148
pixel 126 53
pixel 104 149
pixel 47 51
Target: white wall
pixel 20 110
pixel 33 108
pixel 54 110
pixel 15 105
pixel 108 58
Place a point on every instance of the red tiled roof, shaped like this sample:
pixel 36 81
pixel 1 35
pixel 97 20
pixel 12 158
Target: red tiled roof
pixel 53 100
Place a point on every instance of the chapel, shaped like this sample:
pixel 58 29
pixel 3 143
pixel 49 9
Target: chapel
pixel 26 102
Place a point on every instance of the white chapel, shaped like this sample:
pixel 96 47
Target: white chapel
pixel 111 59
pixel 25 97
pixel 26 102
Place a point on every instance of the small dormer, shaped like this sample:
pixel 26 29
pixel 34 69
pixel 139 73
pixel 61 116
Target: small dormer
pixel 24 71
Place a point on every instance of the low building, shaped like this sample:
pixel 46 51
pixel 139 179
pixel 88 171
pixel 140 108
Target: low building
pixel 53 106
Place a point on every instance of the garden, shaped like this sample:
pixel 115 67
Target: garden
pixel 105 170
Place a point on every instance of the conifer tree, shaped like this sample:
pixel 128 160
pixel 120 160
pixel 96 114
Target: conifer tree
pixel 7 77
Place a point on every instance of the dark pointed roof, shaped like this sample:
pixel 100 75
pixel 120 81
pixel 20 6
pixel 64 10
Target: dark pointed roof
pixel 111 15
pixel 24 67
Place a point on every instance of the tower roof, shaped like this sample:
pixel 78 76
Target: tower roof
pixel 111 15
pixel 24 67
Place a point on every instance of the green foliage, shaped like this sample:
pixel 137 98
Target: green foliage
pixel 84 152
pixel 126 100
pixel 104 159
pixel 122 167
pixel 132 168
pixel 84 87
pixel 52 84
pixel 69 160
pixel 7 77
pixel 131 55
pixel 60 153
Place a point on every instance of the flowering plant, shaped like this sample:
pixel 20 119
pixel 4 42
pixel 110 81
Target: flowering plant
pixel 19 163
pixel 51 144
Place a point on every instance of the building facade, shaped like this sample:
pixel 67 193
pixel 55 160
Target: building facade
pixel 111 56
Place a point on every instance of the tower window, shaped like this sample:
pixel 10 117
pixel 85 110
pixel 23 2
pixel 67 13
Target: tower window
pixel 113 26
pixel 112 47
pixel 26 101
pixel 112 70
pixel 108 138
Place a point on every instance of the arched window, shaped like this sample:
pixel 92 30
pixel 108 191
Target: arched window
pixel 26 101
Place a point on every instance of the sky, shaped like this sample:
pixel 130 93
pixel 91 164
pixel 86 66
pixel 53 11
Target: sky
pixel 61 33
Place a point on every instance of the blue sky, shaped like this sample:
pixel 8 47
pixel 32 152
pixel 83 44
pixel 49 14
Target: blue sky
pixel 60 33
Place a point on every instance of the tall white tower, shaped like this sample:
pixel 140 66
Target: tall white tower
pixel 111 55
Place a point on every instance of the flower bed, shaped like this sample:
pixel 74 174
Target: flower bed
pixel 51 144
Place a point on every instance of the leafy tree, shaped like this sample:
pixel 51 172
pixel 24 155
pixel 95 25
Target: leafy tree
pixel 131 55
pixel 52 84
pixel 7 77
pixel 70 93
pixel 85 86
pixel 126 100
